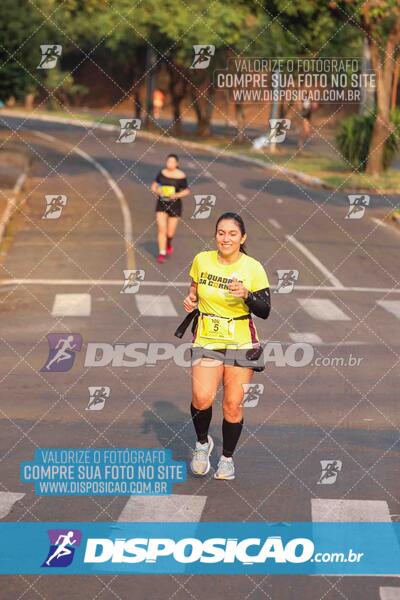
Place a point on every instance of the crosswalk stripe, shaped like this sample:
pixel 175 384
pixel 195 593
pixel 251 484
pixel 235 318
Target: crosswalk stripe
pixel 338 510
pixel 392 306
pixel 389 593
pixel 155 306
pixel 173 508
pixel 309 338
pixel 72 305
pixel 7 501
pixel 323 309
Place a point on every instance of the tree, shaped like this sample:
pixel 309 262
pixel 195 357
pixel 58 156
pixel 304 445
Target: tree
pixel 380 21
pixel 22 33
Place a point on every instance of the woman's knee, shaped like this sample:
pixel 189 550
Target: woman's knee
pixel 232 411
pixel 202 400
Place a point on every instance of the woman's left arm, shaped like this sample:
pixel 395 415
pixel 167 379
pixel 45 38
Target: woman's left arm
pixel 184 192
pixel 259 303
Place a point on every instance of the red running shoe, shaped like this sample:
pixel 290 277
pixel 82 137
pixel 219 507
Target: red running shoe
pixel 170 249
pixel 161 258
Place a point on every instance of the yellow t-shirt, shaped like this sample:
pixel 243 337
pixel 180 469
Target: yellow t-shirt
pixel 212 278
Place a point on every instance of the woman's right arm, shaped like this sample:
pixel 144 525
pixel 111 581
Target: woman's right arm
pixel 155 184
pixel 190 302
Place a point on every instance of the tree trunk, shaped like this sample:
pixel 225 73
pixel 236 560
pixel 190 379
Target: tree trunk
pixel 383 65
pixel 240 123
pixel 395 84
pixel 137 104
pixel 203 102
pixel 382 125
pixel 177 89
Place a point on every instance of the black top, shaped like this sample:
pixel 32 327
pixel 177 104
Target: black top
pixel 178 183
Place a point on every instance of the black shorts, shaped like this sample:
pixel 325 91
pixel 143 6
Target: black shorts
pixel 173 208
pixel 251 358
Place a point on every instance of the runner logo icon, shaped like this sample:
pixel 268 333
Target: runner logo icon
pixel 286 280
pixel 330 471
pixel 132 280
pixel 204 204
pixel 54 206
pixel 358 204
pixel 252 393
pixel 62 547
pixel 50 55
pixel 97 397
pixel 129 127
pixel 62 349
pixel 202 56
pixel 279 129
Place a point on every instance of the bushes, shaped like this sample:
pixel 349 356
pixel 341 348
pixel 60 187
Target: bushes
pixel 354 137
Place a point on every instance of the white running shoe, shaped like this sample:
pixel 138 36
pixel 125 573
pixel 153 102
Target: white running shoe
pixel 226 469
pixel 200 463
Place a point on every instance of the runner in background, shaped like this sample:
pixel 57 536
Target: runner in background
pixel 170 186
pixel 158 102
pixel 227 286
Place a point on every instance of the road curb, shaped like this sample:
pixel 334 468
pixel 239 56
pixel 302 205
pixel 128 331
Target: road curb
pixel 289 173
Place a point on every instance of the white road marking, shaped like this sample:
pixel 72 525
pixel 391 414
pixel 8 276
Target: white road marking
pixel 72 305
pixel 173 508
pixel 389 593
pixel 279 200
pixel 207 174
pixel 222 184
pixel 126 213
pixel 327 510
pixel 241 197
pixel 337 510
pixel 310 338
pixel 155 306
pixel 323 309
pixel 191 165
pixel 7 501
pixel 119 282
pixel 275 224
pixel 392 306
pixel 316 262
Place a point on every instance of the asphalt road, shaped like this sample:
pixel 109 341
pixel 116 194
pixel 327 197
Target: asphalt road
pixel 305 415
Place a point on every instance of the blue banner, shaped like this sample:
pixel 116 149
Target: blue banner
pixel 195 548
pixel 103 471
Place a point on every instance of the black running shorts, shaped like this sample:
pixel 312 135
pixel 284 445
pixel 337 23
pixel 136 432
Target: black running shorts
pixel 173 208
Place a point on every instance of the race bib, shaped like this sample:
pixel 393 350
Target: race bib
pixel 217 328
pixel 166 190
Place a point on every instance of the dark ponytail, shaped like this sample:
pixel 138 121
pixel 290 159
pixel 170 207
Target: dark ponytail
pixel 240 223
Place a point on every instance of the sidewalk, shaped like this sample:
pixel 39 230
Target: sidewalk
pixel 14 167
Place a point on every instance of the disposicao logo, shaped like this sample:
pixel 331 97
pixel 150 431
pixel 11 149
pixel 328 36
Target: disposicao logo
pixel 62 547
pixel 190 550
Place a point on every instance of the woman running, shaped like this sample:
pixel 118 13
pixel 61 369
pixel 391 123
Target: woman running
pixel 170 186
pixel 227 286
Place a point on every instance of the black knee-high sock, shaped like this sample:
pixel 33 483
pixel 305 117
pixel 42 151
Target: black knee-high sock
pixel 201 422
pixel 230 436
